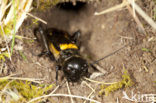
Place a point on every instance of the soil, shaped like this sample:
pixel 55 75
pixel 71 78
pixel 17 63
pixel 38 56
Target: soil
pixel 101 35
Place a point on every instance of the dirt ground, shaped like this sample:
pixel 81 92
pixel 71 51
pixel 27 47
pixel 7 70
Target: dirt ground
pixel 101 35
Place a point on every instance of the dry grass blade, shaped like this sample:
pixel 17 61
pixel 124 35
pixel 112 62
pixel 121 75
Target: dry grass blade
pixel 54 90
pixel 135 7
pixel 6 42
pixel 102 70
pixel 19 5
pixel 19 78
pixel 125 37
pixel 132 12
pixel 117 100
pixel 72 101
pixel 96 75
pixel 63 95
pixel 89 86
pixel 2 8
pixel 8 5
pixel 145 68
pixel 98 82
pixel 93 90
pixel 143 14
pixel 89 96
pixel 57 88
pixel 4 89
pixel 11 18
pixel 37 18
pixel 22 15
pixel 22 37
pixel 117 7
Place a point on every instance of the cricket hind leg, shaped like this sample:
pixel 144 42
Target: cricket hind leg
pixel 58 67
pixel 43 39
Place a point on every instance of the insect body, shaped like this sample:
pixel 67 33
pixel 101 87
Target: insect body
pixel 64 49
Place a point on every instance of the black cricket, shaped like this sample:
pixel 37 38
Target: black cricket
pixel 69 59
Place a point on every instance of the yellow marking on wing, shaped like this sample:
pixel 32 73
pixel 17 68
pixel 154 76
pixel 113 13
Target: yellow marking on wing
pixel 54 50
pixel 68 46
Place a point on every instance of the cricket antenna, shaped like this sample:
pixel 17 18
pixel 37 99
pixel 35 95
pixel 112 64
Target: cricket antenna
pixel 95 62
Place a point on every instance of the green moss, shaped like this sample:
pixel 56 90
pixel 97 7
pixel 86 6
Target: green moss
pixel 35 21
pixel 154 15
pixel 23 56
pixel 7 29
pixel 125 82
pixel 26 90
pixel 146 50
pixel 154 10
pixel 45 4
pixel 3 55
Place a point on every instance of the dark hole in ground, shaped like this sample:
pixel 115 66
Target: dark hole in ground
pixel 70 6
